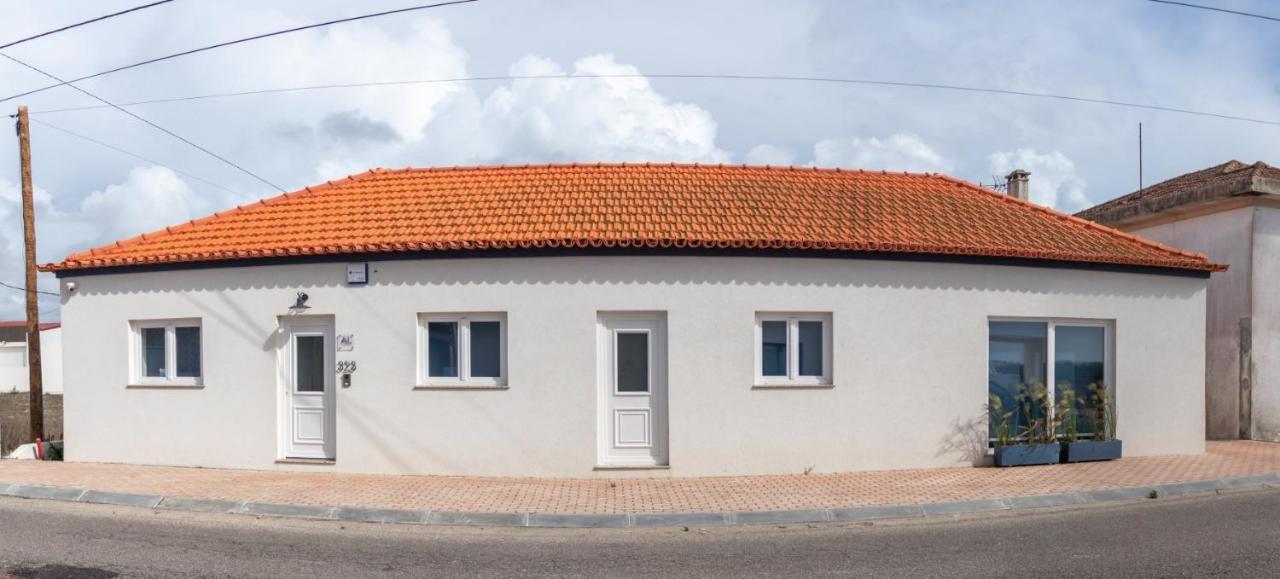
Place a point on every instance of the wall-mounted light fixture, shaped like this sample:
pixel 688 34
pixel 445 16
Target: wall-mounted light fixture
pixel 301 302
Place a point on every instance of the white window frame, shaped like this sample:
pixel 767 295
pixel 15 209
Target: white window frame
pixel 464 378
pixel 1051 346
pixel 171 378
pixel 793 377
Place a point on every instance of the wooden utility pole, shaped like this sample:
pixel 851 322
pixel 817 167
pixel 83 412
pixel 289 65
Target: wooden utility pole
pixel 33 308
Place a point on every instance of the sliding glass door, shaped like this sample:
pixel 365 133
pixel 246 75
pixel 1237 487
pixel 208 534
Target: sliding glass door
pixel 1018 356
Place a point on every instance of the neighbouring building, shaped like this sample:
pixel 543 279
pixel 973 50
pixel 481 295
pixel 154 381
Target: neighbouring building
pixel 1230 212
pixel 15 376
pixel 650 319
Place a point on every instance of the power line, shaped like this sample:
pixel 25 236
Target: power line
pixel 79 24
pixel 733 77
pixel 134 155
pixel 158 127
pixel 22 289
pixel 82 23
pixel 239 41
pixel 1217 9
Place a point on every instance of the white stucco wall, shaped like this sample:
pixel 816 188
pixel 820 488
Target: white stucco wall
pixel 1266 324
pixel 910 362
pixel 1226 238
pixel 17 378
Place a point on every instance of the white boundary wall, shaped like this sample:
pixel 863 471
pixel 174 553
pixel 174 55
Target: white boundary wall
pixel 15 378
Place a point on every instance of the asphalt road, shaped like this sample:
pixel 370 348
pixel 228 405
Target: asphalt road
pixel 1235 534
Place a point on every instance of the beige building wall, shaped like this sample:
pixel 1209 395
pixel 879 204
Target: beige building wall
pixel 909 341
pixel 1243 340
pixel 1226 237
pixel 1265 351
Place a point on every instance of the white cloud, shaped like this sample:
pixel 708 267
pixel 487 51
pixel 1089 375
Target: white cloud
pixel 1054 179
pixel 149 199
pixel 334 169
pixel 899 152
pixel 766 154
pixel 363 52
pixel 11 249
pixel 605 119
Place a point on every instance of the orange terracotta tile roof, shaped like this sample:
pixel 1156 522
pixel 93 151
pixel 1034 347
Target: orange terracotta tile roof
pixel 639 206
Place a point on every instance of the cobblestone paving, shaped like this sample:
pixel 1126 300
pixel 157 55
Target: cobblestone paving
pixel 665 495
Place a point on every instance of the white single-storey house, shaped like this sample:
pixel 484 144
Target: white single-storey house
pixel 1230 212
pixel 15 374
pixel 642 319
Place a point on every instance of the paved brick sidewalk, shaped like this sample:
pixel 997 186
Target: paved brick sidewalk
pixel 690 495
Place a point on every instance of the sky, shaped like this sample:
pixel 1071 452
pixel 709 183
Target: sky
pixel 1079 154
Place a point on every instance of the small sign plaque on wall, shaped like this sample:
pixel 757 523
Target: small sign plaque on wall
pixel 346 342
pixel 357 273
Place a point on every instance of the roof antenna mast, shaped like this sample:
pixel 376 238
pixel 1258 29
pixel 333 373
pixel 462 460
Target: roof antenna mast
pixel 1139 157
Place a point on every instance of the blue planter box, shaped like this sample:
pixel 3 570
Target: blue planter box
pixel 1090 450
pixel 1028 454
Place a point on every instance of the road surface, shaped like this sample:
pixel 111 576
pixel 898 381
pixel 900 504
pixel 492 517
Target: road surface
pixel 1233 534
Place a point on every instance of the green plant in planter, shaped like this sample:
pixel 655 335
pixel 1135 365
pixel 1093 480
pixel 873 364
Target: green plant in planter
pixel 1037 409
pixel 1027 436
pixel 1103 445
pixel 1068 416
pixel 1000 421
pixel 1025 407
pixel 1103 412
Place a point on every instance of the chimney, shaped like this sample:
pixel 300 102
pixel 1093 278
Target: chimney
pixel 1018 184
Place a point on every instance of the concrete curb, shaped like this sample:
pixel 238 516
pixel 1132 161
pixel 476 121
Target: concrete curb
pixel 966 507
pixel 648 520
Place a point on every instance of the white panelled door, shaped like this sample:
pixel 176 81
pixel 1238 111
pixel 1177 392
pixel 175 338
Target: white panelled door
pixel 308 382
pixel 632 429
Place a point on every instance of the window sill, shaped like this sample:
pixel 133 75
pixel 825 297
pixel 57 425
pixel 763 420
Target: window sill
pixel 793 386
pixel 160 386
pixel 461 387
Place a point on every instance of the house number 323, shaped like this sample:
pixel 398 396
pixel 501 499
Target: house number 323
pixel 346 367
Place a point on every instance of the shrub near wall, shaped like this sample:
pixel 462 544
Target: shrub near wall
pixel 14 425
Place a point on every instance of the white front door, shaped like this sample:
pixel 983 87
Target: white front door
pixel 308 381
pixel 633 390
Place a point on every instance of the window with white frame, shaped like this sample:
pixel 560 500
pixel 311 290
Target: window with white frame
pixel 463 349
pixel 1057 355
pixel 793 349
pixel 167 352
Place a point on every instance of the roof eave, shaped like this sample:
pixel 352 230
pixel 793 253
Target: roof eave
pixel 64 269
